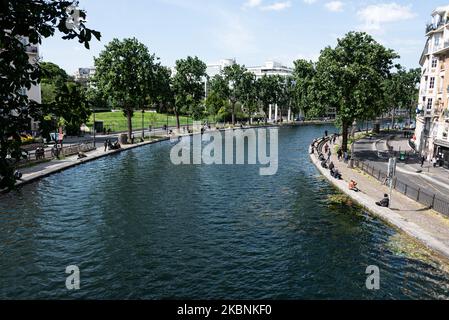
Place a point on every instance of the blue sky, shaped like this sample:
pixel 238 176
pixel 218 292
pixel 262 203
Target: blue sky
pixel 252 31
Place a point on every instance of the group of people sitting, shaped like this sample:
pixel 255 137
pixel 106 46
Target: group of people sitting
pixel 114 146
pixel 333 170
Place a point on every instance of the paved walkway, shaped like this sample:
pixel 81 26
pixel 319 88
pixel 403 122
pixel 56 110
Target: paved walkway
pixel 374 151
pixel 46 168
pixel 426 225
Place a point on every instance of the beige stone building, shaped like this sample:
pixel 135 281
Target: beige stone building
pixel 432 121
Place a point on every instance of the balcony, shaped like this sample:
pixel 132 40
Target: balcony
pixel 31 49
pixel 432 27
pixel 442 48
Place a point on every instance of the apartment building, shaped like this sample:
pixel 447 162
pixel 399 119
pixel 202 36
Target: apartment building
pixel 432 122
pixel 83 75
pixel 34 93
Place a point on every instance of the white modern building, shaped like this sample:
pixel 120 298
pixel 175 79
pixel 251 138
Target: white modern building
pixel 271 68
pixel 432 121
pixel 83 75
pixel 216 68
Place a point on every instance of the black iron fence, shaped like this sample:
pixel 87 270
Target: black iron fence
pixel 417 194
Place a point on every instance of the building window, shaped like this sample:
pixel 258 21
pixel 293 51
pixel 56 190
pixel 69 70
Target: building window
pixel 434 62
pixel 429 103
pixel 437 40
pixel 432 83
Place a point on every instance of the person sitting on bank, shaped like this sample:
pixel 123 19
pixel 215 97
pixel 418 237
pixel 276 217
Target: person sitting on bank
pixel 385 202
pixel 353 186
pixel 324 164
pixel 336 174
pixel 331 166
pixel 321 157
pixel 81 155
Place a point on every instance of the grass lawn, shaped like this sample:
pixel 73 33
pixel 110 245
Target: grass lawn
pixel 116 121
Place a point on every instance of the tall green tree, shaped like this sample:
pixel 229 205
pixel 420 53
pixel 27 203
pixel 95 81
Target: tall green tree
pixel 304 73
pixel 165 98
pixel 234 76
pixel 127 73
pixel 214 103
pixel 287 94
pixel 64 102
pixel 188 87
pixel 23 24
pixel 401 91
pixel 351 78
pixel 267 93
pixel 250 95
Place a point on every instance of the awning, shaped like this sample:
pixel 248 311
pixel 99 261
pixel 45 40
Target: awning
pixel 442 143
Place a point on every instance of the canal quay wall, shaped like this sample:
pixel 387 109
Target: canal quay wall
pixel 428 227
pixel 46 169
pixel 42 170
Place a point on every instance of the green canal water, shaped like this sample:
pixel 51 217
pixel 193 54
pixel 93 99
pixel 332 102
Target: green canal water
pixel 139 227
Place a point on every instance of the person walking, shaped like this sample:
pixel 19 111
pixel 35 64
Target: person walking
pixel 423 159
pixel 434 162
pixel 339 154
pixel 106 145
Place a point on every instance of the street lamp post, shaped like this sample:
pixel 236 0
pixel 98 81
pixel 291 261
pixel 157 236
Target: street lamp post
pixel 143 124
pixel 95 129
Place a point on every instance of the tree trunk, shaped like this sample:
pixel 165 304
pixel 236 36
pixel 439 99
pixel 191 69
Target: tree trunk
pixel 178 125
pixel 345 131
pixel 130 124
pixel 266 113
pixel 392 118
pixel 143 124
pixel 233 113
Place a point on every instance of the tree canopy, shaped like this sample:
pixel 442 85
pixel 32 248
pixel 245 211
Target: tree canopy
pixel 350 78
pixel 24 24
pixel 189 86
pixel 127 73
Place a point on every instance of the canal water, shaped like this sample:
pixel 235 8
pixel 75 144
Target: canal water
pixel 139 227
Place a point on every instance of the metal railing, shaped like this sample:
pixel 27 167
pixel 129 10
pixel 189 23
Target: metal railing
pixel 427 199
pixel 417 194
pixel 47 154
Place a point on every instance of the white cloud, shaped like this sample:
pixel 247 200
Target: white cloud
pixel 309 1
pixel 376 16
pixel 252 3
pixel 234 37
pixel 334 6
pixel 277 6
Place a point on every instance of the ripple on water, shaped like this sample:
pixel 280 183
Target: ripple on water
pixel 139 227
